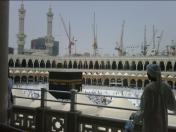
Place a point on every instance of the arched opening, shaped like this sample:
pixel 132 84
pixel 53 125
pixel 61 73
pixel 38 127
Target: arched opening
pixel 162 67
pixel 48 64
pixel 133 66
pixel 23 64
pixel 59 65
pixel 126 66
pixel 133 83
pixel 125 82
pixel 30 79
pixel 36 64
pixel 120 66
pixel 45 79
pixel 145 66
pixel 23 79
pixel 119 82
pixel 102 66
pixel 41 79
pixel 139 83
pixel 107 65
pixel 88 81
pixel 175 66
pixel 154 62
pixel 65 64
pixel 17 63
pixel 70 64
pixel 106 82
pixel 96 66
pixel 146 82
pixel 11 63
pixel 30 64
pixel 54 64
pixel 112 82
pixel 114 65
pixel 83 81
pixel 91 65
pixel 169 66
pixel 99 82
pixel 94 81
pixel 42 64
pixel 170 83
pixel 139 66
pixel 36 79
pixel 85 65
pixel 75 64
pixel 17 79
pixel 80 65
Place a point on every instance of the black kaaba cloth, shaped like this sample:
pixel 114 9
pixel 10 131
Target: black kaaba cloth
pixel 63 81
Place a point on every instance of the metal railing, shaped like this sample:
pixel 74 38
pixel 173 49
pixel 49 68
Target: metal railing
pixel 45 119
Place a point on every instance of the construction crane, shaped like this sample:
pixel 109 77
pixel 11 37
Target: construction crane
pixel 68 34
pixel 145 44
pixel 118 47
pixel 94 45
pixel 159 41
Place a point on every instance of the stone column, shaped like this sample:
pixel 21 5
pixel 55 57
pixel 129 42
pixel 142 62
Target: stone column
pixel 4 15
pixel 136 82
pixel 143 84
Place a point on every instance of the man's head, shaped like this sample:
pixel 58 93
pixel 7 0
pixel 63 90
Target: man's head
pixel 153 72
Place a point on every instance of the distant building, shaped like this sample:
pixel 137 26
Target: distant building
pixel 56 48
pixel 39 44
pixel 10 50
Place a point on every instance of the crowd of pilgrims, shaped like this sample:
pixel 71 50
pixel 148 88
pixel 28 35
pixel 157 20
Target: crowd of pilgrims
pixel 112 91
pixel 94 90
pixel 31 93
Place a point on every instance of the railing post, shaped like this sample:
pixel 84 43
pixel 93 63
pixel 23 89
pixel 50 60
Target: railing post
pixel 40 118
pixel 73 100
pixel 72 124
pixel 43 97
pixel 4 15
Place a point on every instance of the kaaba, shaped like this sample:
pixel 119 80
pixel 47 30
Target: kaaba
pixel 63 81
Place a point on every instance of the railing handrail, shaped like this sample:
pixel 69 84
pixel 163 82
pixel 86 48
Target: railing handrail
pixel 79 103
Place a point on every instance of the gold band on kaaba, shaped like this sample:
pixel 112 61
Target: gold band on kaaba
pixel 64 82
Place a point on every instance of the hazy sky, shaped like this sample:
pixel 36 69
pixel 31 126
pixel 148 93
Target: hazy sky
pixel 109 17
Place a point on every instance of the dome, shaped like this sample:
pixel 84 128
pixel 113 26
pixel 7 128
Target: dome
pixel 95 73
pixel 10 71
pixel 30 72
pixel 162 76
pixel 46 72
pixel 17 71
pixel 113 73
pixel 24 72
pixel 36 72
pixel 170 76
pixel 100 73
pixel 89 73
pixel 107 73
pixel 133 75
pixel 83 73
pixel 139 75
pixel 119 74
pixel 126 74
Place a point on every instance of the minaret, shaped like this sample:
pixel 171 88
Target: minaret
pixel 21 36
pixel 145 41
pixel 49 39
pixel 95 44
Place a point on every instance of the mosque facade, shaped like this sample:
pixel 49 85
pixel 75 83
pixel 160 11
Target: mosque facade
pixel 110 71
